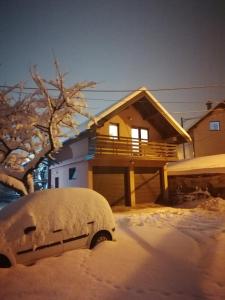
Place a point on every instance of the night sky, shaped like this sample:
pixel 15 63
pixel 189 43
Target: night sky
pixel 122 45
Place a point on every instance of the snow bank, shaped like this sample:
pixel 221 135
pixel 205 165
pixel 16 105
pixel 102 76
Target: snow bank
pixel 214 204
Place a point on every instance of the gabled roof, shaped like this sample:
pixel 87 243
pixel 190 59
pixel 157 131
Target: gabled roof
pixel 151 110
pixel 221 105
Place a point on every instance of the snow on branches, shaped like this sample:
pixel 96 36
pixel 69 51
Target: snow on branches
pixel 32 125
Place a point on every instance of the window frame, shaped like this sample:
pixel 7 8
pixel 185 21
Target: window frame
pixel 139 133
pixel 72 173
pixel 114 137
pixel 216 128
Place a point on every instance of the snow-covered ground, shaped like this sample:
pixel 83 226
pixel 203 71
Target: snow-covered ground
pixel 160 253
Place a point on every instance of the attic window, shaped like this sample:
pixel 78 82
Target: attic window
pixel 114 131
pixel 214 125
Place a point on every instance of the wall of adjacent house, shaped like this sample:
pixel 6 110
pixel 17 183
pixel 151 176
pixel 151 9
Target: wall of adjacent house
pixel 127 119
pixel 73 150
pixel 206 141
pixel 71 160
pixel 77 171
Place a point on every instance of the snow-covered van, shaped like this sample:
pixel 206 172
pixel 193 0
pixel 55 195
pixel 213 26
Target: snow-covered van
pixel 49 222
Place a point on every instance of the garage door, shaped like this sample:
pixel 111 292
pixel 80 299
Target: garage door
pixel 110 182
pixel 147 185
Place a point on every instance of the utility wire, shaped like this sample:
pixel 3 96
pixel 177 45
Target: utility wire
pixel 134 90
pixel 114 100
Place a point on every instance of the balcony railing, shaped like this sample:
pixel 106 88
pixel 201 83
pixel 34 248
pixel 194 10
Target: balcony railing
pixel 106 145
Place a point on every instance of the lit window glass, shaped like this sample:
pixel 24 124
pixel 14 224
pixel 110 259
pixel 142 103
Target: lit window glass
pixel 144 134
pixel 214 125
pixel 113 131
pixel 134 133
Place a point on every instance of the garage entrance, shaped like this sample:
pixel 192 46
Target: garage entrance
pixel 147 184
pixel 110 182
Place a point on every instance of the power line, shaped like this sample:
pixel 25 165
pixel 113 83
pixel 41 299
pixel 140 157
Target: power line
pixel 133 90
pixel 114 100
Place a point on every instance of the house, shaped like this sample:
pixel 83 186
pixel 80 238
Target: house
pixel 123 154
pixel 208 133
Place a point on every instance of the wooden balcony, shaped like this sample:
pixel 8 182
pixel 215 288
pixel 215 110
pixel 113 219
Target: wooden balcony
pixel 132 148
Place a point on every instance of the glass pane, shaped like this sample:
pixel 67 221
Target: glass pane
pixel 72 173
pixel 113 130
pixel 134 133
pixel 144 134
pixel 214 125
pixel 135 139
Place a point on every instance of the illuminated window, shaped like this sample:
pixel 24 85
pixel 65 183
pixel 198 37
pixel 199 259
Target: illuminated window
pixel 114 131
pixel 139 133
pixel 144 134
pixel 72 173
pixel 214 125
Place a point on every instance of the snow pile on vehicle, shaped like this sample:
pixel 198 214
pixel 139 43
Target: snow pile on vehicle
pixel 67 209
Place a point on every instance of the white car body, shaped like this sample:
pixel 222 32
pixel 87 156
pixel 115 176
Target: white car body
pixel 49 222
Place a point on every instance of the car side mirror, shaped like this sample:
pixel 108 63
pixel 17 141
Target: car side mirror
pixel 27 230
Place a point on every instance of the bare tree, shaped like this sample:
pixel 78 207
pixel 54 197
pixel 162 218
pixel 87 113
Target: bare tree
pixel 32 126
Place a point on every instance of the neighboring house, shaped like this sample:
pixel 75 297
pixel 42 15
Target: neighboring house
pixel 208 133
pixel 123 154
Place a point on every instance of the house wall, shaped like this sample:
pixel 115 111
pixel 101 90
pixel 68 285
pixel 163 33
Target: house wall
pixel 72 155
pixel 73 151
pixel 127 119
pixel 62 172
pixel 206 141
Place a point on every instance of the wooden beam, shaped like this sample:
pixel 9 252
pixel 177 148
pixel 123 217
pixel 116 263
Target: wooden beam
pixel 90 176
pixel 130 186
pixel 164 183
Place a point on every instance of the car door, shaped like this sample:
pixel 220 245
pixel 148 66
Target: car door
pixel 23 239
pixel 50 243
pixel 34 242
pixel 77 235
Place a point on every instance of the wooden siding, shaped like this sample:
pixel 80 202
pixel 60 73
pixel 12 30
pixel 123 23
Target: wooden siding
pixel 147 185
pixel 113 184
pixel 127 147
pixel 110 182
pixel 127 119
pixel 206 141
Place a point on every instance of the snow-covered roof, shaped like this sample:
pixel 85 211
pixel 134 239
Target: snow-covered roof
pixel 133 97
pixel 198 165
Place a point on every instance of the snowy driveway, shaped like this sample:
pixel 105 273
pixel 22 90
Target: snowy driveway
pixel 161 253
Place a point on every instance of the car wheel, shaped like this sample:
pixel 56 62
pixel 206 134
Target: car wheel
pixel 4 262
pixel 100 237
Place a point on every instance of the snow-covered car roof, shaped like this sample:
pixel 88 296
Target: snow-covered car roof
pixel 58 208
